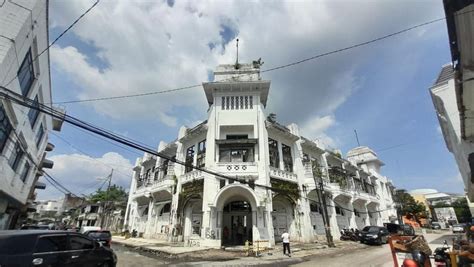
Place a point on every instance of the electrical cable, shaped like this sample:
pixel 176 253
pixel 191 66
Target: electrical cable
pixel 264 70
pixel 57 38
pixel 21 100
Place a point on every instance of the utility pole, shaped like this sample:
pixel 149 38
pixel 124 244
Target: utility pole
pixel 327 225
pixel 106 200
pixel 322 202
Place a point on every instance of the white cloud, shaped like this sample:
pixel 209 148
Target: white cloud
pixel 149 46
pixel 81 174
pixel 315 127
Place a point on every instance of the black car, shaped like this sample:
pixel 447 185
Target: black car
pixel 374 235
pixel 52 248
pixel 104 237
pixel 399 229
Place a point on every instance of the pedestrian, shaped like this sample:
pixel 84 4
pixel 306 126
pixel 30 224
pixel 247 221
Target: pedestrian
pixel 286 242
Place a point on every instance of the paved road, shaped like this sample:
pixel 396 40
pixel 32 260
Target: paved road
pixel 130 258
pixel 369 255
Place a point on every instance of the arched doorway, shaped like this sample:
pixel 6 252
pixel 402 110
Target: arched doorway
pixel 235 204
pixel 236 223
pixel 282 216
pixel 316 211
pixel 343 211
pixel 193 219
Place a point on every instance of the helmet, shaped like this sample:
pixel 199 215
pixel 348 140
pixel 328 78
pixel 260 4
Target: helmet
pixel 409 263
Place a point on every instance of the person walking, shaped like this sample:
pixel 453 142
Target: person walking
pixel 286 243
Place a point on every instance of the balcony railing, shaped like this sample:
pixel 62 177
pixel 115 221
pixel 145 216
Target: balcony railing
pixel 192 175
pixel 238 168
pixel 281 174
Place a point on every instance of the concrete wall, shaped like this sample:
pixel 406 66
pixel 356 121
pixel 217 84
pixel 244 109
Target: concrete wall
pixel 24 27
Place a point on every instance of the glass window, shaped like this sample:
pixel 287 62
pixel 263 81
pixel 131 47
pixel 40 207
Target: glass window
pixel 231 102
pixel 25 74
pixel 241 102
pixel 236 136
pixel 246 102
pixel 201 155
pixel 315 207
pixel 33 113
pixel 287 158
pixel 16 156
pixel 227 102
pixel 189 158
pixel 251 102
pixel 339 211
pixel 273 151
pixel 39 135
pixel 79 243
pixel 223 103
pixel 51 244
pixel 236 154
pixel 26 170
pixel 166 209
pixel 5 127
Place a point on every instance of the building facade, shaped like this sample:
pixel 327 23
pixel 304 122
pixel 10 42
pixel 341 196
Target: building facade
pixel 452 93
pixel 272 168
pixel 23 131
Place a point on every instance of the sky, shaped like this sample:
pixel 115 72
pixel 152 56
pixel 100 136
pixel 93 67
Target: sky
pixel 130 47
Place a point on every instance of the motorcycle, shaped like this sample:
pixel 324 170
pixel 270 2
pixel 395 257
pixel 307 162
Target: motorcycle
pixel 441 257
pixel 349 235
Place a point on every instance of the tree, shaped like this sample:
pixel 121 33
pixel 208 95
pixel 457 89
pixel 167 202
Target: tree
pixel 115 194
pixel 408 206
pixel 272 117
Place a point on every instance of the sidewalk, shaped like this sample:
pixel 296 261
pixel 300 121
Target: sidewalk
pixel 196 256
pixel 158 247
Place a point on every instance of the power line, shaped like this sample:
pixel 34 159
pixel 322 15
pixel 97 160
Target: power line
pixel 57 38
pixel 91 157
pixel 47 176
pixel 262 71
pixel 21 100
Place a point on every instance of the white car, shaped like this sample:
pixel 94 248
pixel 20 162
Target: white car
pixel 459 228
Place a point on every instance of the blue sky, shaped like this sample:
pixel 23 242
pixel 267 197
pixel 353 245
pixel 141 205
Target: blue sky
pixel 132 47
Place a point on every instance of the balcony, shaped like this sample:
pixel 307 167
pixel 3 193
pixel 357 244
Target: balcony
pixel 238 168
pixel 283 175
pixel 191 176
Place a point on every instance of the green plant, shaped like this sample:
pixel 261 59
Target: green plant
pixel 286 188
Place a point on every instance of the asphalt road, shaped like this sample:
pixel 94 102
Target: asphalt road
pixel 369 255
pixel 127 257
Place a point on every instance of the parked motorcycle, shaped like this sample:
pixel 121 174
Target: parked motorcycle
pixel 349 235
pixel 441 257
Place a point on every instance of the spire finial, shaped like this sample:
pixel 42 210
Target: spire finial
pixel 237 59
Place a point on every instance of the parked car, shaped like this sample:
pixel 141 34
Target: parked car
pixel 104 237
pixel 52 248
pixel 435 225
pixel 459 228
pixel 399 229
pixel 374 235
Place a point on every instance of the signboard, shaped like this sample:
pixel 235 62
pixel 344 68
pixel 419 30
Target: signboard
pixel 446 215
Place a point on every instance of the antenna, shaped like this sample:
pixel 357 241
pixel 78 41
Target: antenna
pixel 357 137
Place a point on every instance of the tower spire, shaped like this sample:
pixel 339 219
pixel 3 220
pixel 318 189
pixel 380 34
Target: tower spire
pixel 237 58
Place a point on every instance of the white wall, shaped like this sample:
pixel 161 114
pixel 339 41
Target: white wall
pixel 25 34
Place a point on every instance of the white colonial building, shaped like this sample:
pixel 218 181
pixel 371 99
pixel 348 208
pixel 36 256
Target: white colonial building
pixel 274 168
pixel 23 131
